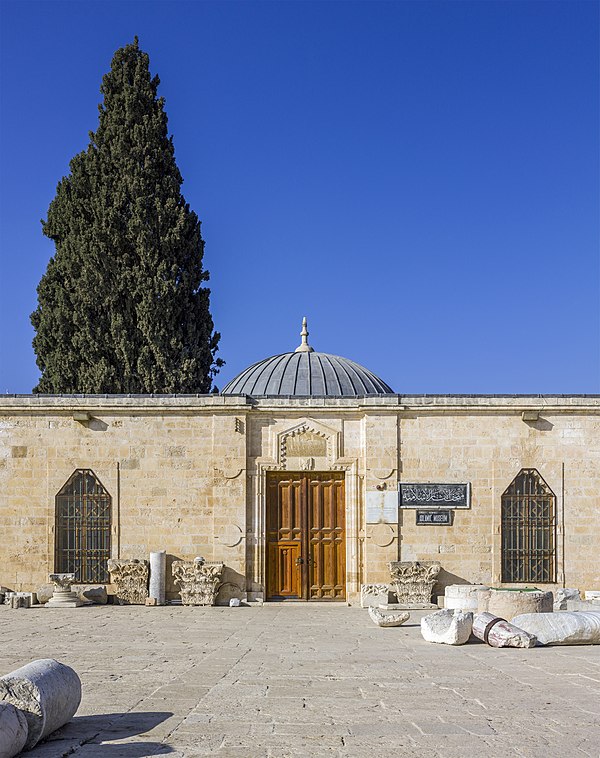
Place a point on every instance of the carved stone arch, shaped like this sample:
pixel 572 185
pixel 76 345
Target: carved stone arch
pixel 307 444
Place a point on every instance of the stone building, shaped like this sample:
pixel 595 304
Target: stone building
pixel 306 476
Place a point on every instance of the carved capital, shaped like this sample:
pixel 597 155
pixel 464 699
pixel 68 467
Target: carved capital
pixel 198 582
pixel 62 582
pixel 413 580
pixel 131 580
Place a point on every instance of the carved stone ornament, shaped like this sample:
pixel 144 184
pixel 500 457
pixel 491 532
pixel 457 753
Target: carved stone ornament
pixel 131 580
pixel 63 595
pixel 198 582
pixel 413 581
pixel 62 582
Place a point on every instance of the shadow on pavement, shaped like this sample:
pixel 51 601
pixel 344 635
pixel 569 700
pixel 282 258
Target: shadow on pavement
pixel 82 734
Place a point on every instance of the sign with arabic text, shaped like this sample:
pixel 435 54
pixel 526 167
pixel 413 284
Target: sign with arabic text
pixel 429 495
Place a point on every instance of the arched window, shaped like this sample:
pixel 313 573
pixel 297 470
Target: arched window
pixel 528 529
pixel 83 519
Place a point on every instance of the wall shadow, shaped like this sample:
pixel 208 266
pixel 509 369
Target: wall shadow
pixel 97 425
pixel 444 579
pixel 233 584
pixel 542 425
pixel 171 591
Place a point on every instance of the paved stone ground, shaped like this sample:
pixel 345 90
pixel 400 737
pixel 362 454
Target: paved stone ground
pixel 301 680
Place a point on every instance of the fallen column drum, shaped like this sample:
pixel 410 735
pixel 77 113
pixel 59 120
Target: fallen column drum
pixel 47 692
pixel 13 730
pixel 498 632
pixel 563 628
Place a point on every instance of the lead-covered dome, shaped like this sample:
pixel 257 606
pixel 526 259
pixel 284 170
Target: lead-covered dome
pixel 306 373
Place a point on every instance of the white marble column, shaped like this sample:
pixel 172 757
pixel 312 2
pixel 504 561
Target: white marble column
pixel 158 563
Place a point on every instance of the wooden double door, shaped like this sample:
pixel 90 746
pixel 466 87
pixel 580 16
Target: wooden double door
pixel 306 540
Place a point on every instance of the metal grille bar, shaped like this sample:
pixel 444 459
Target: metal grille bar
pixel 528 530
pixel 83 522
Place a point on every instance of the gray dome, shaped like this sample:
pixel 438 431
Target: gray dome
pixel 307 373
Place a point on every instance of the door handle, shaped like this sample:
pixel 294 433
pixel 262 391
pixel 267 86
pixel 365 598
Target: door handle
pixel 299 561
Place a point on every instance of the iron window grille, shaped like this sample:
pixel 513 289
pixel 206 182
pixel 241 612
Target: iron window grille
pixel 83 523
pixel 528 530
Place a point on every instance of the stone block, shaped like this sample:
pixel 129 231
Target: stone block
pixel 407 606
pixel 13 730
pixel 20 601
pixel 387 619
pixel 48 693
pixel 592 595
pixel 462 596
pixel 508 603
pixel 44 592
pixel 563 628
pixel 563 595
pixel 498 632
pixel 447 627
pixel 95 593
pixel 580 605
pixel 373 595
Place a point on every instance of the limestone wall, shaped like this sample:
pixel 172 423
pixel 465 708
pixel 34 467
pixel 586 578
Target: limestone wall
pixel 176 478
pixel 186 474
pixel 488 447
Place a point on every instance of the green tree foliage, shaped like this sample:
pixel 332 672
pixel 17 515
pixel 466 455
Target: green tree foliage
pixel 121 307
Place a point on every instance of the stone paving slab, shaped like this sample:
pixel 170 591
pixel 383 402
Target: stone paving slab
pixel 301 680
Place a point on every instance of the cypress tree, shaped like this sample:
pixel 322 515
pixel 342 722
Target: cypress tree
pixel 121 307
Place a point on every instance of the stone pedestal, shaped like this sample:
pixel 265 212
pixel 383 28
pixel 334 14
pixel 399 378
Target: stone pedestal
pixel 198 582
pixel 462 597
pixel 158 563
pixel 63 596
pixel 508 603
pixel 131 580
pixel 413 581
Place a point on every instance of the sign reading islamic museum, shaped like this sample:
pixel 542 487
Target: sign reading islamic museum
pixel 428 495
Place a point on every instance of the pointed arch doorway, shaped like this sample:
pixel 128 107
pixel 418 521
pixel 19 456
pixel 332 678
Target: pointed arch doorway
pixel 306 539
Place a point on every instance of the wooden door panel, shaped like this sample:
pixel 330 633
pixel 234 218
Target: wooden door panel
pixel 285 534
pixel 326 511
pixel 285 573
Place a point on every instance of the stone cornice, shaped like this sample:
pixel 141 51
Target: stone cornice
pixel 218 404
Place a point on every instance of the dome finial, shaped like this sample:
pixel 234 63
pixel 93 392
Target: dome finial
pixel 304 347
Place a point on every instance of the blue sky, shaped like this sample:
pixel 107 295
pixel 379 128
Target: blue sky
pixel 420 179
